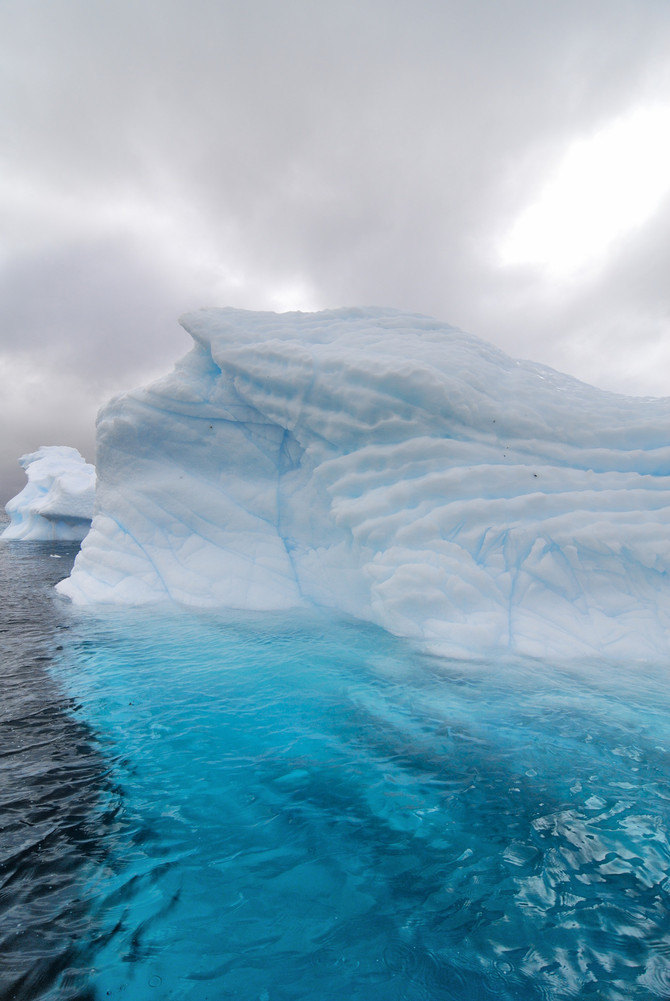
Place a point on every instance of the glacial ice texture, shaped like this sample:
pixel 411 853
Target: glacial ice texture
pixel 392 468
pixel 57 501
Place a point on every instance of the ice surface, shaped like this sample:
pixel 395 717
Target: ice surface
pixel 57 501
pixel 392 468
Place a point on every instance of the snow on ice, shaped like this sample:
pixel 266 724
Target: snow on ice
pixel 57 501
pixel 392 468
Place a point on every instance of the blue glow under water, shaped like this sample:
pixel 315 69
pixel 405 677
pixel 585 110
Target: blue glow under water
pixel 301 810
pixel 278 808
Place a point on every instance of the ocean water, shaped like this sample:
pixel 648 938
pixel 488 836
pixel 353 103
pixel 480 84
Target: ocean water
pixel 287 807
pixel 51 778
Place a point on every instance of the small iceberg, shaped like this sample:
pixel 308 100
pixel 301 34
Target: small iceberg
pixel 56 504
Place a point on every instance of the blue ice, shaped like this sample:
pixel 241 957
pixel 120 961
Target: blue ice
pixel 388 467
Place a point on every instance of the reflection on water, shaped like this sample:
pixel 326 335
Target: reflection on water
pixel 312 810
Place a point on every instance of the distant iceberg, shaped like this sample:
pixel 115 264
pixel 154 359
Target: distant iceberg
pixel 57 502
pixel 392 468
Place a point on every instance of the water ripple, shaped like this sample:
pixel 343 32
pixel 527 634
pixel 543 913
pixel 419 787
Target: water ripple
pixel 50 777
pixel 282 809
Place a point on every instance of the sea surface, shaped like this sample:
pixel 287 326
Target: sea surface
pixel 274 808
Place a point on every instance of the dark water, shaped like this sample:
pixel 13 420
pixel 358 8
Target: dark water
pixel 275 808
pixel 51 774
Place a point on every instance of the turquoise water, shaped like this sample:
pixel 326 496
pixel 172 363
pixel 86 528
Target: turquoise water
pixel 298 809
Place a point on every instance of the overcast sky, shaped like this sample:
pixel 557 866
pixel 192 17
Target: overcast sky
pixel 503 165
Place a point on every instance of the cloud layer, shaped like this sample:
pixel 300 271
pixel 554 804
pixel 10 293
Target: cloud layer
pixel 159 156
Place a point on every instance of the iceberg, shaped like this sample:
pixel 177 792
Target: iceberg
pixel 392 468
pixel 57 502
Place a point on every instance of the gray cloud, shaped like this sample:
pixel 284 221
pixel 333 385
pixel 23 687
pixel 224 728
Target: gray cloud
pixel 159 155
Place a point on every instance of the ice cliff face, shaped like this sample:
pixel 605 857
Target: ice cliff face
pixel 392 468
pixel 57 501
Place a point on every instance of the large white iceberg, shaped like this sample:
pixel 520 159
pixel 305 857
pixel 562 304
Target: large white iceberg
pixel 392 468
pixel 57 501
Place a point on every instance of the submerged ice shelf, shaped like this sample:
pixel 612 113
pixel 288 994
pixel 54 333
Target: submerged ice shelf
pixel 392 468
pixel 56 503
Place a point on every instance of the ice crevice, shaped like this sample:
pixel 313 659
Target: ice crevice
pixel 390 467
pixel 287 543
